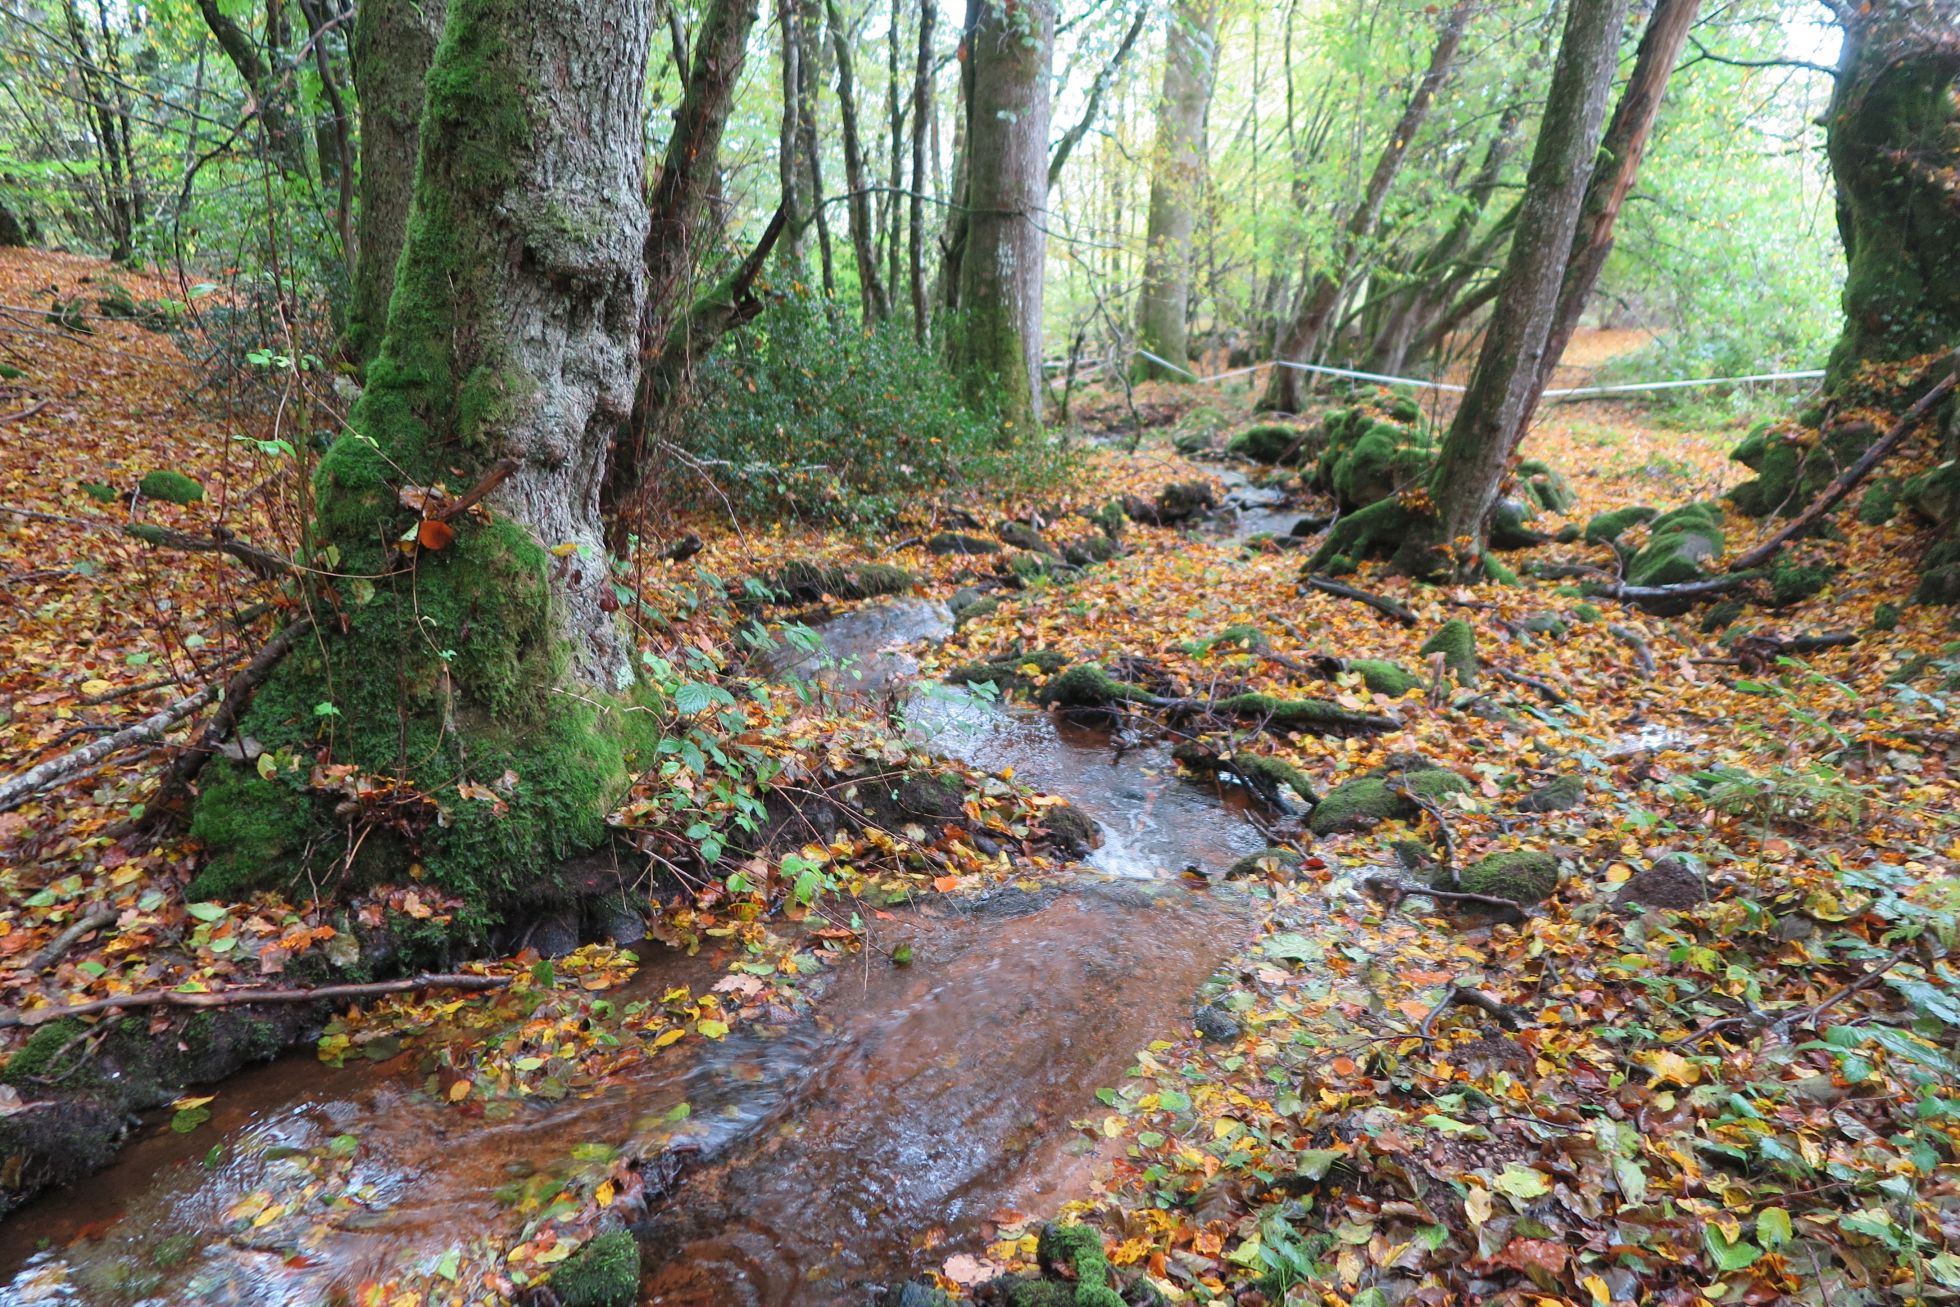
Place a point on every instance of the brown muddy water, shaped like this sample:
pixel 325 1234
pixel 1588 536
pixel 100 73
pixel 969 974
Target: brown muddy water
pixel 918 1107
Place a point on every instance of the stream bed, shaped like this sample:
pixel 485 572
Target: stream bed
pixel 917 1109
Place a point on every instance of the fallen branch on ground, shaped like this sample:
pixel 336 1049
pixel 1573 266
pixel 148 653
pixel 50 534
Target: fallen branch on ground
pixel 238 997
pixel 1380 603
pixel 94 919
pixel 1551 692
pixel 1848 479
pixel 174 788
pixel 16 790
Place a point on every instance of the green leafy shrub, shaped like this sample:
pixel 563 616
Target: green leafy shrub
pixel 799 417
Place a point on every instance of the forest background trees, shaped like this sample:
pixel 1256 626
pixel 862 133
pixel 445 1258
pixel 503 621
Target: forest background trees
pixel 832 255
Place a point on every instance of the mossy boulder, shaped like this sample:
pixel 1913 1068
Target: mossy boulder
pixel 1110 517
pixel 1723 615
pixel 604 1272
pixel 1088 550
pixel 1087 685
pixel 1522 877
pixel 955 542
pixel 1678 543
pixel 1368 801
pixel 1458 644
pixel 1935 493
pixel 1886 617
pixel 1239 635
pixel 1508 525
pixel 1069 830
pixel 1607 528
pixel 1023 536
pixel 1556 795
pixel 170 487
pixel 1547 486
pixel 1383 677
pixel 1546 624
pixel 1074 1272
pixel 1270 443
pixel 1792 583
pixel 1939 574
pixel 806 582
pixel 1376 462
pixel 1880 503
pixel 1011 672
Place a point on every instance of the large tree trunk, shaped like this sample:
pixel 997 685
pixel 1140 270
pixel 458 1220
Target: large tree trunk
pixel 271 91
pixel 1176 177
pixel 394 41
pixel 471 665
pixel 1504 385
pixel 1620 152
pixel 1890 136
pixel 996 346
pixel 1323 286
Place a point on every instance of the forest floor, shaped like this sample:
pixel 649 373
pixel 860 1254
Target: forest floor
pixel 1726 1079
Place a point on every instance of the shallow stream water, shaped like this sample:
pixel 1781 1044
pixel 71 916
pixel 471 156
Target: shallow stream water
pixel 917 1109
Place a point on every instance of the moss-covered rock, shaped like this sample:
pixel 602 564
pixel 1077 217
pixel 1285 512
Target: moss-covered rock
pixel 1088 550
pixel 1383 677
pixel 1547 486
pixel 1886 617
pixel 1523 876
pixel 1723 615
pixel 1022 536
pixel 1880 503
pixel 1677 545
pixel 1458 644
pixel 1606 528
pixel 1368 801
pixel 1012 672
pixel 955 542
pixel 1792 583
pixel 604 1272
pixel 1383 459
pixel 1270 443
pixel 806 582
pixel 1556 795
pixel 171 487
pixel 1239 635
pixel 1087 685
pixel 1508 525
pixel 976 610
pixel 1110 518
pixel 1546 624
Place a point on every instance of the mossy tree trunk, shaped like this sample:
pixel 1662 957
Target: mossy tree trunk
pixel 1894 146
pixel 1323 283
pixel 1503 387
pixel 394 40
pixel 1176 180
pixel 995 347
pixel 479 682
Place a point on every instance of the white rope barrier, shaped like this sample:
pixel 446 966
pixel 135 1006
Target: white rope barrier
pixel 1574 392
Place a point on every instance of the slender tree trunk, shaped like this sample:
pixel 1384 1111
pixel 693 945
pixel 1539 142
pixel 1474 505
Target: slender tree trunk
pixel 871 289
pixel 1176 183
pixel 996 349
pixel 809 82
pixel 952 242
pixel 922 109
pixel 336 141
pixel 1097 89
pixel 793 248
pixel 394 41
pixel 1471 464
pixel 891 221
pixel 1321 292
pixel 1620 152
pixel 480 651
pixel 270 93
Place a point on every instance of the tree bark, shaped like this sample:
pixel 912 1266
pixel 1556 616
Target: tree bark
pixel 922 108
pixel 996 347
pixel 1065 147
pixel 1322 287
pixel 1176 178
pixel 12 233
pixel 789 158
pixel 1471 464
pixel 394 42
pixel 1889 134
pixel 1620 152
pixel 269 93
pixel 871 288
pixel 474 653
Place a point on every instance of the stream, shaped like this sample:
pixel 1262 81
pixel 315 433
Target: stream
pixel 918 1109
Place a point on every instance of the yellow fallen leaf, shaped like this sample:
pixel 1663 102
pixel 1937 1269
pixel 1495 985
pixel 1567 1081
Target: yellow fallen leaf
pixel 459 1091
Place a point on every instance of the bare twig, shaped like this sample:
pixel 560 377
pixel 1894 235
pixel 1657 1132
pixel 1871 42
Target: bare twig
pixel 17 789
pixel 1380 603
pixel 94 919
pixel 237 997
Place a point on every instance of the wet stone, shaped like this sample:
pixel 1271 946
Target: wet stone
pixel 1215 1021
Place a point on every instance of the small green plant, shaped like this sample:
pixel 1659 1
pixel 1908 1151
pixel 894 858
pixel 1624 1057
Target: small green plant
pixel 803 418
